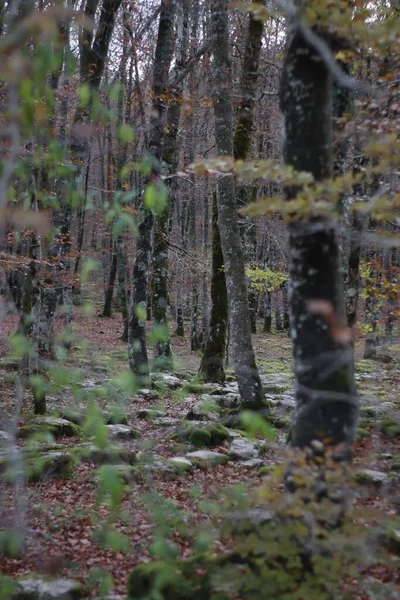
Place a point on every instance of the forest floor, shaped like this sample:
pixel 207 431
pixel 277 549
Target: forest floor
pixel 65 520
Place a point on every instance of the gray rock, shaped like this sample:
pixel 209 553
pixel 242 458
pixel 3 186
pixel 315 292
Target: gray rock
pixel 206 458
pixel 122 432
pixel 242 449
pixel 251 463
pixel 4 437
pixel 181 463
pixel 228 401
pixel 199 412
pixel 40 589
pixel 166 422
pixel 164 379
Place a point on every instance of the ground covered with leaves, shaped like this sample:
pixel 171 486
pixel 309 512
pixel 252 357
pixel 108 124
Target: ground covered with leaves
pixel 115 477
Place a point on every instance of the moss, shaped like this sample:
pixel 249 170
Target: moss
pixel 362 434
pixel 193 387
pixel 278 421
pixel 266 470
pixel 390 428
pixel 365 366
pixel 199 437
pixel 369 411
pixel 52 465
pixel 276 388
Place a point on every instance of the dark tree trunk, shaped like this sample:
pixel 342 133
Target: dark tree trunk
pixel 326 399
pixel 267 313
pixel 241 145
pixel 285 302
pixel 107 310
pixel 242 350
pixel 212 363
pixel 138 359
pixel 353 273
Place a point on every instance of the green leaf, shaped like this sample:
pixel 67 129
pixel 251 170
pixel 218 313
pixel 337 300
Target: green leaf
pixel 126 134
pixel 84 94
pixel 256 424
pixel 141 312
pixel 156 197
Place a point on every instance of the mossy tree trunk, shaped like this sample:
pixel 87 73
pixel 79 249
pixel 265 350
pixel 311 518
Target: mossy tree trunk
pixel 138 359
pixel 212 366
pixel 212 363
pixel 162 226
pixel 326 400
pixel 241 145
pixel 242 350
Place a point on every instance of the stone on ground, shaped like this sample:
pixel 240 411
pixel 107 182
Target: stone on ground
pixel 207 458
pixel 122 432
pixel 371 477
pixel 242 450
pixel 41 589
pixel 56 426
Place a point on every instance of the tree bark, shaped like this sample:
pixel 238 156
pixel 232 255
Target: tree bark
pixel 138 360
pixel 326 400
pixel 242 350
pixel 212 363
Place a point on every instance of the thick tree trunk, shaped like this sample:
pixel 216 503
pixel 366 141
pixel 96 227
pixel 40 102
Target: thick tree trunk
pixel 212 363
pixel 242 350
pixel 326 399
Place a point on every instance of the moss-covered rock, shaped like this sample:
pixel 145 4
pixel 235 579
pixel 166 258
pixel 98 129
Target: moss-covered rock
pixel 203 459
pixel 362 434
pixel 390 428
pixel 56 426
pixel 266 470
pixel 389 536
pixel 208 435
pixel 371 477
pixel 395 465
pixel 110 454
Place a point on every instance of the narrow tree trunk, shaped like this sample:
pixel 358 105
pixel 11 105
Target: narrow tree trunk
pixel 121 267
pixel 241 146
pixel 107 310
pixel 212 363
pixel 267 312
pixel 242 350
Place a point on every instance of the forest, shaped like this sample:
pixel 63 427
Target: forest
pixel 199 300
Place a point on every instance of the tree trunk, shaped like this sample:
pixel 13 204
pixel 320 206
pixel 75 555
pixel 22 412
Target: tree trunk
pixel 267 313
pixel 326 400
pixel 107 310
pixel 138 360
pixel 212 362
pixel 242 350
pixel 241 146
